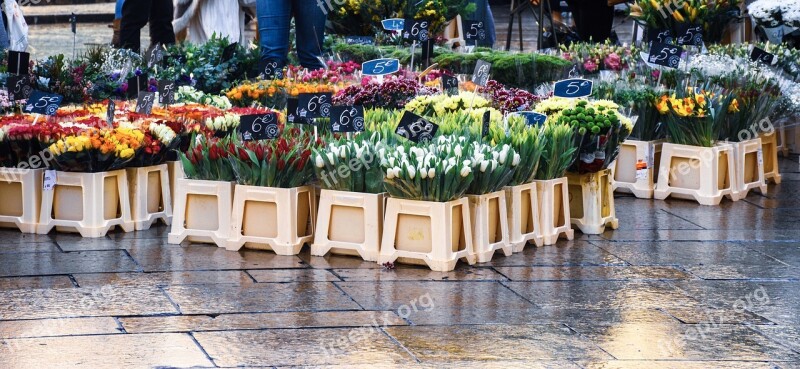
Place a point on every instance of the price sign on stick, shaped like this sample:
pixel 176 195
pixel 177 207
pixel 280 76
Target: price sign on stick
pixel 660 35
pixel 144 104
pixel 533 118
pixel 416 128
pixel 774 34
pixel 480 76
pixel 665 55
pixel 380 67
pixel 415 30
pixel 314 105
pixel 18 62
pixel 270 69
pixel 449 84
pixel 43 103
pixel 259 126
pixel 155 56
pixel 393 24
pixel 228 51
pixel 474 30
pixel 110 109
pixel 292 115
pixel 359 40
pixel 690 34
pixel 347 118
pixel 573 88
pixel 759 55
pixel 166 93
pixel 487 120
pixel 19 87
pixel 137 84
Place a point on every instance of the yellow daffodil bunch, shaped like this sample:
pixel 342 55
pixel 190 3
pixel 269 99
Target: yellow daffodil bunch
pixel 97 150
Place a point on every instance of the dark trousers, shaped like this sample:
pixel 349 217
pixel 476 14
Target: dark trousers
pixel 137 13
pixel 593 19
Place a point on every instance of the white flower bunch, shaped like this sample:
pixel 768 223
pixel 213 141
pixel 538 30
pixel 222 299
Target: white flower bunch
pixel 223 123
pixel 348 165
pixel 493 167
pixel 437 171
pixel 163 133
pixel 189 94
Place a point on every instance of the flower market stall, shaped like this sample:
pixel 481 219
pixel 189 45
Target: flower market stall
pixel 391 154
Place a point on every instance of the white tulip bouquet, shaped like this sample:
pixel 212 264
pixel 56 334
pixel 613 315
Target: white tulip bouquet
pixel 351 165
pixel 438 171
pixel 493 167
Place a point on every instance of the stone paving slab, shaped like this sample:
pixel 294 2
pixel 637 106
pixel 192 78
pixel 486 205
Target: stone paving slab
pixel 110 351
pixel 22 283
pixel 317 319
pixel 495 342
pixel 423 302
pixel 163 278
pixel 677 342
pixel 683 364
pixel 58 327
pixel 256 298
pixel 465 273
pixel 208 257
pixel 82 302
pixel 302 347
pixel 293 275
pixel 30 264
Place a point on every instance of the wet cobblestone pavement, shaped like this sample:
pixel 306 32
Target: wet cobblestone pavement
pixel 677 286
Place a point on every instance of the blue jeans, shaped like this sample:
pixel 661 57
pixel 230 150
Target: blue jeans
pixel 118 9
pixel 274 18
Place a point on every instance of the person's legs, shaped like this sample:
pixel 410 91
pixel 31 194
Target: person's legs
pixel 310 30
pixel 161 31
pixel 593 19
pixel 134 16
pixel 273 28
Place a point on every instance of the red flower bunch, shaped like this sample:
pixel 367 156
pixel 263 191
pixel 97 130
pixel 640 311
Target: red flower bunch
pixel 282 162
pixel 207 159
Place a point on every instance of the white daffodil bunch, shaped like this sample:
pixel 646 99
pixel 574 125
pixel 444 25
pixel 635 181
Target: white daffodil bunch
pixel 351 165
pixel 493 167
pixel 223 123
pixel 438 171
pixel 163 133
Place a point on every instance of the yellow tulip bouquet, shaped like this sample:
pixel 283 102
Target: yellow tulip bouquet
pixel 96 150
pixel 713 15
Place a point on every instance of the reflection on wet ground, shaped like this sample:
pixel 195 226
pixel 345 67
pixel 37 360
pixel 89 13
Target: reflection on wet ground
pixel 678 286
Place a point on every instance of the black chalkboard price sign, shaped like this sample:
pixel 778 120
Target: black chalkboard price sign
pixel 144 103
pixel 314 105
pixel 259 126
pixel 480 76
pixel 347 119
pixel 416 128
pixel 665 55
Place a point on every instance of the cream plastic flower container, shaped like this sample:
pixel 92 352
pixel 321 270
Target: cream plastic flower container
pixel 435 234
pixel 349 223
pixel 523 216
pixel 702 174
pixel 20 198
pixel 554 215
pixel 749 171
pixel 591 202
pixel 87 203
pixel 150 197
pixel 770 149
pixel 268 218
pixel 202 212
pixel 635 170
pixel 489 218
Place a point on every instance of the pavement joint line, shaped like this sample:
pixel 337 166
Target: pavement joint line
pixel 120 327
pixel 348 295
pixel 202 349
pixel 503 283
pixel 596 345
pixel 171 301
pixel 250 275
pixel 331 271
pixel 73 280
pixel 682 218
pixel 402 346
